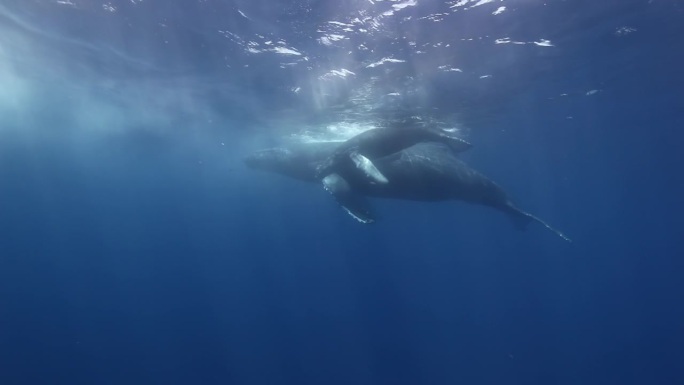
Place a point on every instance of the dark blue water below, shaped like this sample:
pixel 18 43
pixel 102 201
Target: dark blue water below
pixel 136 258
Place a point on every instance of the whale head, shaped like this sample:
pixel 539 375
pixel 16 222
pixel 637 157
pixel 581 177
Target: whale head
pixel 272 159
pixel 282 161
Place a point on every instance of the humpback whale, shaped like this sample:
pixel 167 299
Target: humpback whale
pixel 426 171
pixel 358 152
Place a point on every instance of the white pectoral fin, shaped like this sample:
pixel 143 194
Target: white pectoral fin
pixel 354 204
pixel 365 164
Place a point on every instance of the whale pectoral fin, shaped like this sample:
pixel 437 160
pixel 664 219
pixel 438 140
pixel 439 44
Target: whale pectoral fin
pixel 323 168
pixel 364 164
pixel 353 203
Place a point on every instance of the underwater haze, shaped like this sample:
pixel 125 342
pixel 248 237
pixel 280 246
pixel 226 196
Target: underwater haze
pixel 136 246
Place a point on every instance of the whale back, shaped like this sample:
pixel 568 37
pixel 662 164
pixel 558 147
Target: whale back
pixel 430 171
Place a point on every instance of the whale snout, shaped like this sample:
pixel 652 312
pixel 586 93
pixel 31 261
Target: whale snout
pixel 267 159
pixel 251 161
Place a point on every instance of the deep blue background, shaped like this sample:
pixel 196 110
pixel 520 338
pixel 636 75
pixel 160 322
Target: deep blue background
pixel 149 254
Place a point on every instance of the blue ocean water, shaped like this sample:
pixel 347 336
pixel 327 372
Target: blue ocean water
pixel 137 248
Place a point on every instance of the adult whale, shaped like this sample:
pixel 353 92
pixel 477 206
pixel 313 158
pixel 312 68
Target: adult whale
pixel 426 171
pixel 357 153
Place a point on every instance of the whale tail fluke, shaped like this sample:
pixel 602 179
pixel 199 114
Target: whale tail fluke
pixel 519 219
pixel 522 219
